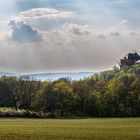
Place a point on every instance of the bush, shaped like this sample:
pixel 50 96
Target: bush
pixel 22 114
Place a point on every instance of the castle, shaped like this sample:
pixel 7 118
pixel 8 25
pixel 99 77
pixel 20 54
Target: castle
pixel 129 59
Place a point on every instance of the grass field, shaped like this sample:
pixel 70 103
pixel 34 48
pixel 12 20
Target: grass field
pixel 72 129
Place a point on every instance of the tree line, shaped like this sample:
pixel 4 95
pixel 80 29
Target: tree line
pixel 114 93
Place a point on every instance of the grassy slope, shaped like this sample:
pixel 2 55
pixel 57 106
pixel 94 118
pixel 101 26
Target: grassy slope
pixel 94 129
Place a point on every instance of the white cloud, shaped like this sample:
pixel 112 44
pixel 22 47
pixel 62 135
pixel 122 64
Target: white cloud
pixel 76 29
pixel 64 49
pixel 22 26
pixel 42 13
pixel 122 23
pixel 68 32
pixel 69 46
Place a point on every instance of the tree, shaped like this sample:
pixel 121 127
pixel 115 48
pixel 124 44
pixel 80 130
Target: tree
pixel 64 95
pixel 48 99
pixel 12 83
pixel 82 90
pixel 93 105
pixel 4 95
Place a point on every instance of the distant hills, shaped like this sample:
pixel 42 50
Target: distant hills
pixel 51 76
pixel 7 74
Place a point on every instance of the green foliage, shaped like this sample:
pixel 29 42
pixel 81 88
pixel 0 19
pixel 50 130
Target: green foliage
pixel 113 93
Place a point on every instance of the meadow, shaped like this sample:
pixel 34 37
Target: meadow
pixel 70 129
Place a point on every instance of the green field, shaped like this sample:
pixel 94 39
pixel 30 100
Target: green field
pixel 70 129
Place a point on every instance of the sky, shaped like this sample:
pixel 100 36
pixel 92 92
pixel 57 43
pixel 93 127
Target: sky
pixel 67 35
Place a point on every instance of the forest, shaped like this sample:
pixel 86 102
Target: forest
pixel 113 93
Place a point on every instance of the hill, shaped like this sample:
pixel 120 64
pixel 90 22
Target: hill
pixel 51 76
pixel 7 74
pixel 56 76
pixel 116 73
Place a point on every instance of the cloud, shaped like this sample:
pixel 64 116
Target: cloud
pixel 76 29
pixel 42 13
pixel 75 46
pixel 133 33
pixel 124 22
pixel 68 32
pixel 76 51
pixel 24 33
pixel 115 33
pixel 26 26
pixel 101 35
pixel 120 29
pixel 76 35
